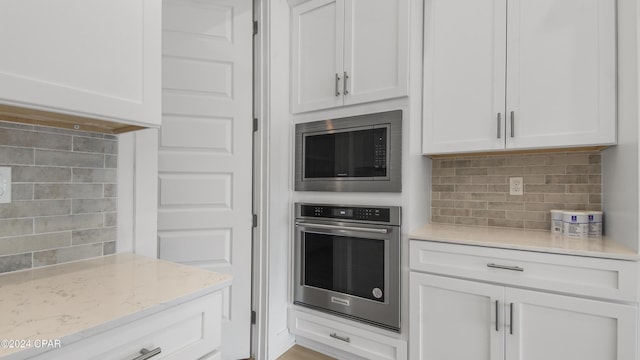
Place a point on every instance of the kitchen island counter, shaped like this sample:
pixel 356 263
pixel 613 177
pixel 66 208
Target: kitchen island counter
pixel 48 308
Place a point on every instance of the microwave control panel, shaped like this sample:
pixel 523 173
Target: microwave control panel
pixel 380 155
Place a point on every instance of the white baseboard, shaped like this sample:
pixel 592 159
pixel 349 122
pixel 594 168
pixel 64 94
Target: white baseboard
pixel 280 343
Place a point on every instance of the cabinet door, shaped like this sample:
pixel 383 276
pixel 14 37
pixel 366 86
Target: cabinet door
pixel 464 75
pixel 317 43
pixel 554 327
pixel 561 73
pixel 455 319
pixel 92 58
pixel 376 50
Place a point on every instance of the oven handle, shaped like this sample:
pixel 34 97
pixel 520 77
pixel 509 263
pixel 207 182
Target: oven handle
pixel 349 228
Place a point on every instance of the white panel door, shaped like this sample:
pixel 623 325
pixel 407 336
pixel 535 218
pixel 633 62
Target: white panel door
pixel 455 319
pixel 464 75
pixel 561 73
pixel 317 34
pixel 205 155
pixel 376 50
pixel 554 327
pixel 92 58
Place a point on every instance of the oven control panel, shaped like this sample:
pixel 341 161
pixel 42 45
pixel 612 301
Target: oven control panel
pixel 377 214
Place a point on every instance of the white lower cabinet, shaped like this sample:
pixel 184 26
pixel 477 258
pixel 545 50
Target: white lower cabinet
pixel 461 319
pixel 191 330
pixel 454 318
pixel 555 327
pixel 361 342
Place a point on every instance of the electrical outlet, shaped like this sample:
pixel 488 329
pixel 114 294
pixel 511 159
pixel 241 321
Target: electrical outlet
pixel 516 186
pixel 5 184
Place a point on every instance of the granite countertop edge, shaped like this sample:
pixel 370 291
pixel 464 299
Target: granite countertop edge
pixel 524 240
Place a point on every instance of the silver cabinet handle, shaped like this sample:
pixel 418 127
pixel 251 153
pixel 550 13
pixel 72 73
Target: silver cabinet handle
pixel 505 267
pixel 337 227
pixel 499 125
pixel 341 338
pixel 513 131
pixel 346 77
pixel 497 319
pixel 511 318
pixel 337 85
pixel 147 354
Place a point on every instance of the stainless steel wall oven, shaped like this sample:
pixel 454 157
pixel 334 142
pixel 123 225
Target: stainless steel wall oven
pixel 347 261
pixel 358 153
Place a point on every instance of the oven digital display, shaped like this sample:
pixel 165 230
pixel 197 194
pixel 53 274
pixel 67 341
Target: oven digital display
pixel 341 212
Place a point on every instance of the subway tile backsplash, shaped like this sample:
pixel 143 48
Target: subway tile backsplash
pixel 64 190
pixel 474 190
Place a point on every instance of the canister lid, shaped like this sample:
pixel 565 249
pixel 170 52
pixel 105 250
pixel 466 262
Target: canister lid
pixel 575 212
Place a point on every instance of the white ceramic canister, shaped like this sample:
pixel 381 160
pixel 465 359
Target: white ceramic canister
pixel 557 221
pixel 595 223
pixel 576 223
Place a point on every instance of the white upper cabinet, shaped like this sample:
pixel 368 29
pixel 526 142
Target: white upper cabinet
pixel 375 50
pixel 82 58
pixel 348 52
pixel 533 74
pixel 561 73
pixel 464 75
pixel 317 55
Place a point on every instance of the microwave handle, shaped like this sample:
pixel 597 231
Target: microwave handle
pixel 349 228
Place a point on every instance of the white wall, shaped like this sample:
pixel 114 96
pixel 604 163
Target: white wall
pixel 126 152
pixel 280 180
pixel 137 193
pixel 620 163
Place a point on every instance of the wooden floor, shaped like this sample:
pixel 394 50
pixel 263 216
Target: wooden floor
pixel 297 352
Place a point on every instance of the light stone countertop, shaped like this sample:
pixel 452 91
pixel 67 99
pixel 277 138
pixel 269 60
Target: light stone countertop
pixel 529 240
pixel 72 301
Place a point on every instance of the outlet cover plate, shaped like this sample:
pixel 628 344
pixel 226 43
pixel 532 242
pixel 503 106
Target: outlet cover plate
pixel 5 184
pixel 516 186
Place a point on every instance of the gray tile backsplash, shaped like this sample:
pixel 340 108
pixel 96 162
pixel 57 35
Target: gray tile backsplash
pixel 64 196
pixel 474 190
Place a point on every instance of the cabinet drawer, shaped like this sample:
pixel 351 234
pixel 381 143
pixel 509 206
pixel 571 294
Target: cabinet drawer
pixel 593 277
pixel 346 337
pixel 187 331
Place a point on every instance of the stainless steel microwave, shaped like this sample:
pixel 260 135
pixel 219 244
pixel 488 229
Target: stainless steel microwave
pixel 358 153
